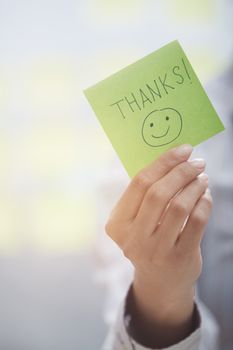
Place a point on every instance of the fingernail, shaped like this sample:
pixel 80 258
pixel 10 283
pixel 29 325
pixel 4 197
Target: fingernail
pixel 204 178
pixel 198 163
pixel 208 192
pixel 184 150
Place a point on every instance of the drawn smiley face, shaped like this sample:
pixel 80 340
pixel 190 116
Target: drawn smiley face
pixel 161 127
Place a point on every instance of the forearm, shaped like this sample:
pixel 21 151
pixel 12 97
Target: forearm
pixel 160 319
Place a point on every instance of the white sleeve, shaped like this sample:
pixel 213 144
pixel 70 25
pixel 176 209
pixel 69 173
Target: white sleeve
pixel 204 337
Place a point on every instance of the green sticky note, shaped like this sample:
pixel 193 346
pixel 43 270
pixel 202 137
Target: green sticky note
pixel 152 105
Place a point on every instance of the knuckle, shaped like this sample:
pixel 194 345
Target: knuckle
pixel 173 156
pixel 141 181
pixel 165 160
pixel 156 194
pixel 185 170
pixel 202 188
pixel 199 218
pixel 179 208
pixel 208 202
pixel 199 183
pixel 168 159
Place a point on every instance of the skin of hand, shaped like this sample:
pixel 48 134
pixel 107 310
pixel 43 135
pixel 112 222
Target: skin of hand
pixel 158 223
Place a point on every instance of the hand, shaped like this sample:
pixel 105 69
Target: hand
pixel 159 223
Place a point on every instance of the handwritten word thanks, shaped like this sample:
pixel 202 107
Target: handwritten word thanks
pixel 153 91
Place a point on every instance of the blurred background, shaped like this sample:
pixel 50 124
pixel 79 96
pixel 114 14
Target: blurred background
pixel 54 154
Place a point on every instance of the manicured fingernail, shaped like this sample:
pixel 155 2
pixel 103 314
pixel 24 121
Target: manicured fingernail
pixel 184 150
pixel 204 178
pixel 198 163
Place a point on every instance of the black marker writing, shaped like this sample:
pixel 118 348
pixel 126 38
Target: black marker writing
pixel 151 92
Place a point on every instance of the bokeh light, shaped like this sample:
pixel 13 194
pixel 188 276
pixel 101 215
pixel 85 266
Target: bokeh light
pixel 52 149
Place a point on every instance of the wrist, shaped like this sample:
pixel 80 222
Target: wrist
pixel 163 304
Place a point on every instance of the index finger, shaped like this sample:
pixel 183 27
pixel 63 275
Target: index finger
pixel 130 201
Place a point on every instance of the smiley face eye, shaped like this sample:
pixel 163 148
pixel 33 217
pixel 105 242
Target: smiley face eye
pixel 151 125
pixel 167 118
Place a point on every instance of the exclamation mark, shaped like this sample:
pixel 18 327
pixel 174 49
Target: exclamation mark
pixel 186 70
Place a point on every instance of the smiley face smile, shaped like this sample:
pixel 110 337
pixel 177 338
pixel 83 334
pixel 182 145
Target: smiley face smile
pixel 159 137
pixel 156 122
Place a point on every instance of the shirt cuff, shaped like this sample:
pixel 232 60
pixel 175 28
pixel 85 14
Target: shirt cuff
pixel 120 339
